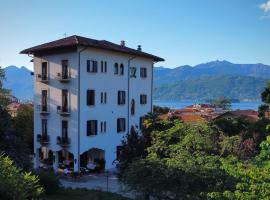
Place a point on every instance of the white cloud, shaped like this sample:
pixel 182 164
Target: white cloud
pixel 266 6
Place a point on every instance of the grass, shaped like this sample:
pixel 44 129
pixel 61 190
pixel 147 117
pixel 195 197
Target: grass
pixel 83 194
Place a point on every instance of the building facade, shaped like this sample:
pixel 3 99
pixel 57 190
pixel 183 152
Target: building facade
pixel 87 95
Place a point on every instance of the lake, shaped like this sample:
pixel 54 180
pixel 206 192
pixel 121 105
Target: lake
pixel 181 104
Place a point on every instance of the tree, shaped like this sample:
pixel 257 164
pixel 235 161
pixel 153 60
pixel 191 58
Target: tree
pixel 15 184
pixel 265 96
pixel 133 147
pixel 2 76
pixel 24 124
pixel 222 102
pixel 11 142
pixel 182 163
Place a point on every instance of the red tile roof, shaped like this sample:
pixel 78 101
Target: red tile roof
pixel 75 41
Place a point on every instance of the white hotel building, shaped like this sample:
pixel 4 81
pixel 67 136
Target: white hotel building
pixel 87 95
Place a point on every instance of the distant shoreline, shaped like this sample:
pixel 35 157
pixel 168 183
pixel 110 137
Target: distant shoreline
pixel 242 105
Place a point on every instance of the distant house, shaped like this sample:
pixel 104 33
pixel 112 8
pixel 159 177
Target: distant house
pixel 12 108
pixel 249 115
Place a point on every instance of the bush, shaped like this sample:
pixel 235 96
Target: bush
pixel 15 184
pixel 50 181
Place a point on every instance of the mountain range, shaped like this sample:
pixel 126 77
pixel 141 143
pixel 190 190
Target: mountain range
pixel 211 80
pixel 201 82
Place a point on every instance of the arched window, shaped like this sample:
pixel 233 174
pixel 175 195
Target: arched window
pixel 115 68
pixel 132 107
pixel 121 69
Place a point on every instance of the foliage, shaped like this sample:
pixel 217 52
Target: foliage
pixel 83 194
pixel 24 124
pixel 49 181
pixel 160 110
pixel 182 162
pixel 265 96
pixel 11 143
pixel 15 184
pixel 133 147
pixel 222 102
pixel 232 126
pixel 2 77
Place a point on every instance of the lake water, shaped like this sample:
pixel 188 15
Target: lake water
pixel 181 104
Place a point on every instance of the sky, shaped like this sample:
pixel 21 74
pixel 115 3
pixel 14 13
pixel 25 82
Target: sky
pixel 181 31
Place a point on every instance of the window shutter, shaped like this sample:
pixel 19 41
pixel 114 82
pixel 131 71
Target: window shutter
pixel 88 128
pixel 105 66
pixel 124 124
pixel 118 97
pixel 95 127
pixel 88 64
pixel 95 66
pixel 102 69
pixel 105 97
pixel 124 97
pixel 118 125
pixel 88 97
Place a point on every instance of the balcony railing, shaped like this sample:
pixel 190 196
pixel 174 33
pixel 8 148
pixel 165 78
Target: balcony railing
pixel 43 139
pixel 44 109
pixel 63 77
pixel 63 110
pixel 63 141
pixel 44 78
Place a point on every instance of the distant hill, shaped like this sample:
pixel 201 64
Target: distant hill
pixel 20 81
pixel 211 87
pixel 210 80
pixel 201 82
pixel 216 68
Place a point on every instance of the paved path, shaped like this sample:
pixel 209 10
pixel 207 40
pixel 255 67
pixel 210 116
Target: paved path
pixel 97 182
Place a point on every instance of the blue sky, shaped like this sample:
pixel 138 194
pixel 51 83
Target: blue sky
pixel 181 31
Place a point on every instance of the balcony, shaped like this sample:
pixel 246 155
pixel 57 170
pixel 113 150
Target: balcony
pixel 43 139
pixel 44 78
pixel 63 77
pixel 43 109
pixel 63 110
pixel 63 141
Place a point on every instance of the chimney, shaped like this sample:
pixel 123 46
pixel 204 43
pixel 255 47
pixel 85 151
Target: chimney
pixel 139 48
pixel 122 43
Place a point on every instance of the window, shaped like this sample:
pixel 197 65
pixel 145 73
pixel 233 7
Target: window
pixel 121 69
pixel 133 72
pixel 119 150
pixel 90 97
pixel 64 129
pixel 103 66
pixel 65 69
pixel 115 68
pixel 103 97
pixel 91 127
pixel 64 100
pixel 92 66
pixel 103 127
pixel 121 125
pixel 143 99
pixel 143 72
pixel 132 107
pixel 44 100
pixel 141 122
pixel 44 70
pixel 121 99
pixel 44 127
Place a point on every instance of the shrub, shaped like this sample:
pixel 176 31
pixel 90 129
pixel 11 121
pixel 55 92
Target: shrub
pixel 50 181
pixel 15 184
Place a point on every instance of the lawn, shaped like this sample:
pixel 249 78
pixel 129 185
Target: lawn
pixel 83 194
